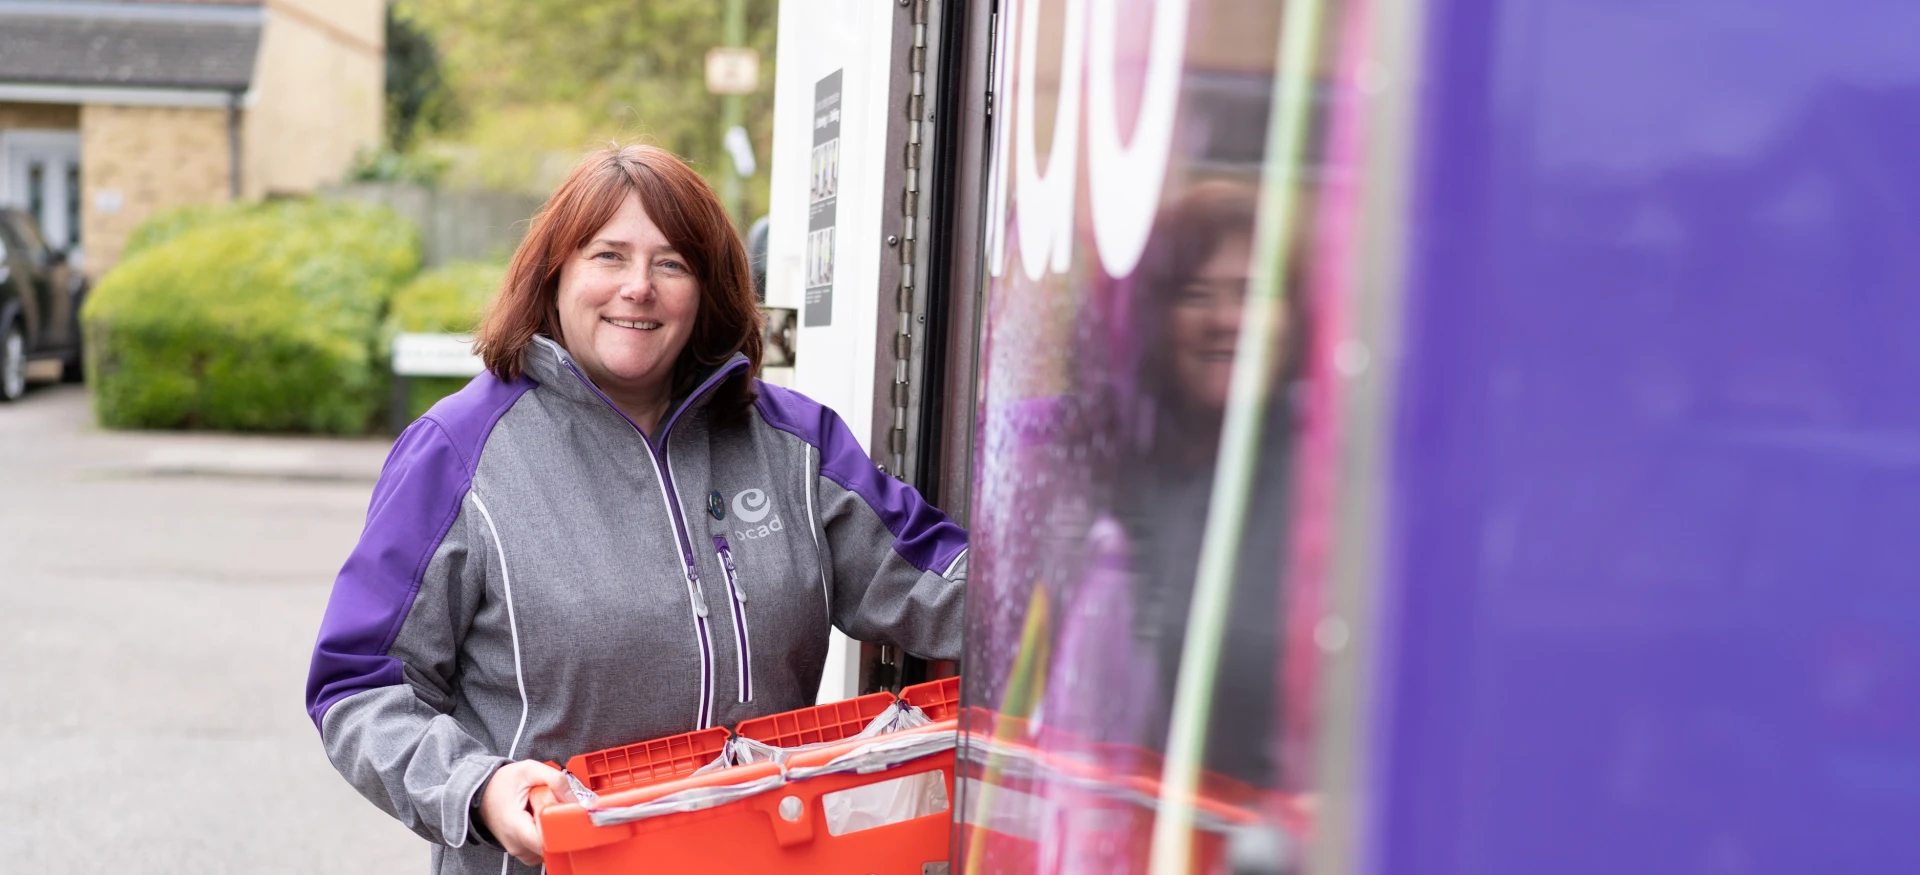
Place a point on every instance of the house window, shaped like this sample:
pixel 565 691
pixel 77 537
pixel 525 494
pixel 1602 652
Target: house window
pixel 37 190
pixel 73 205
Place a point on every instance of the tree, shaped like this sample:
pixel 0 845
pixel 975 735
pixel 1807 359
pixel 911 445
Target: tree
pixel 419 98
pixel 566 75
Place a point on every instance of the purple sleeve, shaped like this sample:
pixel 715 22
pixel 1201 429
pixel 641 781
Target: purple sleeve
pixel 923 535
pixel 416 501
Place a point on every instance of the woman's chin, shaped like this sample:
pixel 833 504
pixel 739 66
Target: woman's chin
pixel 637 373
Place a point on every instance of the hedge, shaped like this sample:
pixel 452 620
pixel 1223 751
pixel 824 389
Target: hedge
pixel 446 299
pixel 175 222
pixel 249 318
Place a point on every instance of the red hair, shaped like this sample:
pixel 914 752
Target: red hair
pixel 686 211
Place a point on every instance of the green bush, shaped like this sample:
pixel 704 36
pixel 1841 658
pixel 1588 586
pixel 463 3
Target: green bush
pixel 252 318
pixel 172 223
pixel 446 299
pixel 449 298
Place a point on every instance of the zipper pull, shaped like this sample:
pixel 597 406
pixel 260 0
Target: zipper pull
pixel 699 593
pixel 733 574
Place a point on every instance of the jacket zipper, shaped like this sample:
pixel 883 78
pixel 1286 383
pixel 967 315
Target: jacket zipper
pixel 739 602
pixel 663 470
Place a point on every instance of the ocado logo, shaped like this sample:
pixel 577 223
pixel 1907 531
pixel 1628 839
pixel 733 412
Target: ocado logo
pixel 751 506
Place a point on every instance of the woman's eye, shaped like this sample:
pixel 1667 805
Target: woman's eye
pixel 672 265
pixel 606 256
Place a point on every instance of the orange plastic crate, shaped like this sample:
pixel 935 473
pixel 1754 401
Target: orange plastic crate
pixel 781 830
pixel 574 846
pixel 661 759
pixel 820 723
pixel 1116 827
pixel 939 699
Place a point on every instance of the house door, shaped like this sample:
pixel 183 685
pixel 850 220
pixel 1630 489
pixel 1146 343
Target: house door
pixel 40 173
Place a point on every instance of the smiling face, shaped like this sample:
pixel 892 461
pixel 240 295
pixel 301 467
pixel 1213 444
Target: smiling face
pixel 1205 324
pixel 627 302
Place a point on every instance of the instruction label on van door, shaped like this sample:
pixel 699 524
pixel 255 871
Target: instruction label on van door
pixel 823 197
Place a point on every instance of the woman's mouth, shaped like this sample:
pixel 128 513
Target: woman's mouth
pixel 640 324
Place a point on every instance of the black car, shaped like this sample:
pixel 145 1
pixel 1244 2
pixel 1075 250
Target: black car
pixel 40 298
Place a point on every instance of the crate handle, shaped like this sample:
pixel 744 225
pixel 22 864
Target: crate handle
pixel 693 799
pixel 880 755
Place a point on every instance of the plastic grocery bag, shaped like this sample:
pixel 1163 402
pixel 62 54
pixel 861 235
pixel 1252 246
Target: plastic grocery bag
pixel 899 715
pixel 883 802
pixel 892 801
pixel 692 799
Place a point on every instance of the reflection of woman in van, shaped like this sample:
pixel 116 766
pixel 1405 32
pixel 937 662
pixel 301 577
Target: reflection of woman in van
pixel 1193 294
pixel 1187 306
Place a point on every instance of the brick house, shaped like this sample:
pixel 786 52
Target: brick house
pixel 111 110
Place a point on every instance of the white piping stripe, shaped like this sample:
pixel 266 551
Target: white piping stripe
pixel 513 629
pixel 694 596
pixel 740 682
pixel 746 645
pixel 962 557
pixel 513 622
pixel 826 591
pixel 743 644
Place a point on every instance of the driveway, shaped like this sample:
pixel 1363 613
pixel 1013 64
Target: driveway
pixel 159 595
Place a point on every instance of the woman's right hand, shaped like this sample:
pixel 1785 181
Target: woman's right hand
pixel 505 812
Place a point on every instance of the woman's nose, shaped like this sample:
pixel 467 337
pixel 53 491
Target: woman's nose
pixel 636 288
pixel 1225 315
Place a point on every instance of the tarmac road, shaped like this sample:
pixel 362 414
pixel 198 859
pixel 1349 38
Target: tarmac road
pixel 159 595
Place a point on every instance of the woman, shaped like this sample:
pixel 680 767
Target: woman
pixel 614 534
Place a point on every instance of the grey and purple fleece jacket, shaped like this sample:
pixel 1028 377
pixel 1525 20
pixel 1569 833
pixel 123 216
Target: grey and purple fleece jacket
pixel 537 579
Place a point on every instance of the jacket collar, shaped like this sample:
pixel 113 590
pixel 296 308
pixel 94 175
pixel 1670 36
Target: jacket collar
pixel 550 365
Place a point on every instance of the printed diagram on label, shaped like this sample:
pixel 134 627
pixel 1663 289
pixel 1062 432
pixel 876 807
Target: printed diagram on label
pixel 819 258
pixel 826 170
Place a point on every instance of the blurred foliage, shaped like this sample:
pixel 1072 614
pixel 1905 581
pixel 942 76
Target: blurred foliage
pixel 446 299
pixel 250 318
pixel 513 148
pixel 545 80
pixel 165 226
pixel 419 98
pixel 386 165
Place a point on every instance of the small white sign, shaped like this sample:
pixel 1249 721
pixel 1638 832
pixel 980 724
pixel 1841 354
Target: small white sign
pixel 108 201
pixel 740 149
pixel 733 71
pixel 435 355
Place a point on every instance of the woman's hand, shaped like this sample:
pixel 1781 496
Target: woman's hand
pixel 505 812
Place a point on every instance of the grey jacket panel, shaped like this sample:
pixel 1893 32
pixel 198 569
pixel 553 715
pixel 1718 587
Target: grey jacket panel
pixel 878 595
pixel 402 746
pixel 415 763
